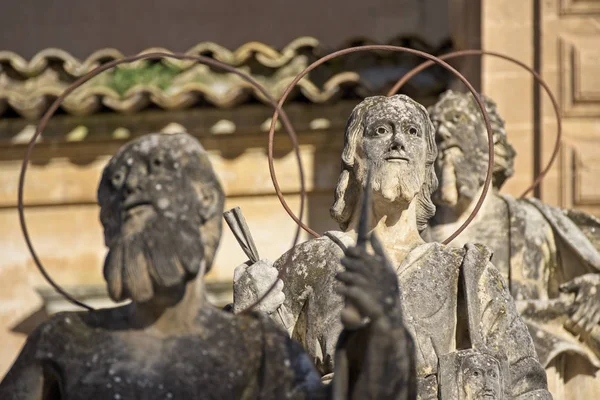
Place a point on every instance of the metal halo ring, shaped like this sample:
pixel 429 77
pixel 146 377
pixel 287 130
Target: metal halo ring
pixel 538 78
pixel 96 71
pixel 422 54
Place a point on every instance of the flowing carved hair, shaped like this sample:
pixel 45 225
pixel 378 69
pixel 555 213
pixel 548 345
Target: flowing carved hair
pixel 348 190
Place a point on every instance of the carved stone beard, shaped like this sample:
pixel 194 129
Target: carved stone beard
pixel 460 178
pixel 164 254
pixel 392 141
pixel 396 183
pixel 461 170
pixel 447 192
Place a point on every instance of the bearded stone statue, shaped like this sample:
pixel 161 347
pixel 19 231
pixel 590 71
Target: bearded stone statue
pixel 394 139
pixel 548 256
pixel 161 207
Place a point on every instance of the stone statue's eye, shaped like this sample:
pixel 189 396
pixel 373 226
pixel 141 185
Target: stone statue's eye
pixel 382 130
pixel 475 373
pixel 413 130
pixel 493 374
pixel 117 179
pixel 157 161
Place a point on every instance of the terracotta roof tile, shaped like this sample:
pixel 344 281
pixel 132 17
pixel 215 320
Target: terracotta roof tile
pixel 28 87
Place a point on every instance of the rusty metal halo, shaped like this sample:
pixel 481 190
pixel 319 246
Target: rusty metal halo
pixel 96 71
pixel 422 54
pixel 476 52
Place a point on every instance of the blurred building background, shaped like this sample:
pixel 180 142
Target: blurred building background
pixel 44 46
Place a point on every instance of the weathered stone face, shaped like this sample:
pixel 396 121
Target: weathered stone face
pixel 480 376
pixel 462 143
pixel 155 195
pixel 393 145
pixel 394 136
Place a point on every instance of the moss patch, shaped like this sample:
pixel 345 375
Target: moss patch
pixel 156 74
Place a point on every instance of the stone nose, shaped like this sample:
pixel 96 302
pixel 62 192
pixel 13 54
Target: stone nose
pixel 133 182
pixel 398 142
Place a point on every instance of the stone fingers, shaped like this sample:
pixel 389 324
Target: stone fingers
pixel 593 319
pixel 358 266
pixel 239 271
pixel 580 318
pixel 360 299
pixel 352 278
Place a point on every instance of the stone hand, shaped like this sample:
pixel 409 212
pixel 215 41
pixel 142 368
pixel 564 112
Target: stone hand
pixel 369 284
pixel 586 313
pixel 251 282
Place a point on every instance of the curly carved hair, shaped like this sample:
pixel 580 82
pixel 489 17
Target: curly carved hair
pixel 504 153
pixel 347 189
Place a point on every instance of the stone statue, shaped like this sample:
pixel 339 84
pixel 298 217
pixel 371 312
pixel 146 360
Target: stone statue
pixel 548 256
pixel 161 207
pixel 480 378
pixel 473 375
pixel 394 139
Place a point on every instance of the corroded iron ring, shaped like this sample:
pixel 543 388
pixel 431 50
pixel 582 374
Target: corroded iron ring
pixel 538 78
pixel 422 54
pixel 155 55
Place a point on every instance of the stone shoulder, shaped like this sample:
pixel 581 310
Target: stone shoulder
pixel 314 254
pixel 53 336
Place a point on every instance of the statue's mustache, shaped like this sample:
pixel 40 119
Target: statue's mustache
pixel 163 254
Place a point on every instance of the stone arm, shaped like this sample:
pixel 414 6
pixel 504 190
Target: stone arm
pixel 579 240
pixel 380 356
pixel 502 328
pixel 568 255
pixel 25 379
pixel 305 292
pixel 312 307
pixel 588 224
pixel 251 281
pixel 305 304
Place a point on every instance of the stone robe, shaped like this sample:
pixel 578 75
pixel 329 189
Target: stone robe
pixel 547 249
pixel 536 249
pixel 432 303
pixel 246 357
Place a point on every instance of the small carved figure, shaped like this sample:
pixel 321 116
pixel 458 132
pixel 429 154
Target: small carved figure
pixel 394 139
pixel 552 265
pixel 474 374
pixel 161 207
pixel 480 378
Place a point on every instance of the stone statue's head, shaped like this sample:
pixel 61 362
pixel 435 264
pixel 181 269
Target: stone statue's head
pixel 480 378
pixel 394 136
pixel 161 207
pixel 461 137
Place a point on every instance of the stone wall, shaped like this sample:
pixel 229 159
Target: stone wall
pixel 559 38
pixel 82 28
